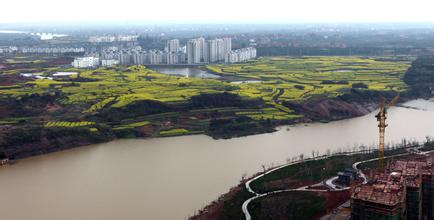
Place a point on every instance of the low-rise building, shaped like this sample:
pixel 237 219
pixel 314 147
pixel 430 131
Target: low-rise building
pixel 240 55
pixel 111 62
pixel 64 74
pixel 86 62
pixel 346 177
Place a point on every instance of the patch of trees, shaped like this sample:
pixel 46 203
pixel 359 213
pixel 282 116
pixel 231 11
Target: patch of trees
pixel 359 86
pixel 292 205
pixel 420 76
pixel 241 126
pixel 39 98
pixel 151 42
pixel 138 108
pixel 31 140
pixel 19 39
pixel 323 51
pixel 30 105
pixel 362 96
pixel 225 99
pixel 324 108
pixel 127 133
pixel 299 87
pixel 329 51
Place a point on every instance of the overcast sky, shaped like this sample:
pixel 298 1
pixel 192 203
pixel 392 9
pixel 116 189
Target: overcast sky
pixel 221 11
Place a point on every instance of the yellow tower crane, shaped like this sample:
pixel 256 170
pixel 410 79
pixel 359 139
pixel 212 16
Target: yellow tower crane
pixel 381 118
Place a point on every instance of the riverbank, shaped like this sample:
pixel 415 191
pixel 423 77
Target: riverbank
pixel 288 180
pixel 36 140
pixel 224 124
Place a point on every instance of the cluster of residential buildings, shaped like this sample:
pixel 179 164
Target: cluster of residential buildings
pixel 42 50
pixel 404 191
pixel 240 55
pixel 113 38
pixel 200 50
pixel 137 56
pixel 8 49
pixel 196 51
pixel 51 50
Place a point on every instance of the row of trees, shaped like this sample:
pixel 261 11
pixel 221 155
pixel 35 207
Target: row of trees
pixel 355 149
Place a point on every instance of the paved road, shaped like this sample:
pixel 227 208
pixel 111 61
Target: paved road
pixel 329 182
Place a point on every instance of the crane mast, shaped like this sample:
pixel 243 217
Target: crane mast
pixel 381 118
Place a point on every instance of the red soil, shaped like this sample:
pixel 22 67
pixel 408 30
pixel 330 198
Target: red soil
pixel 9 80
pixel 4 111
pixel 336 198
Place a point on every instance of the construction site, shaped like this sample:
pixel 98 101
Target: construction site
pixel 403 189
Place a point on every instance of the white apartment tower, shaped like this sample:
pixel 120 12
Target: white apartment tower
pixel 202 48
pixel 172 58
pixel 227 45
pixel 220 51
pixel 172 46
pixel 211 51
pixel 194 51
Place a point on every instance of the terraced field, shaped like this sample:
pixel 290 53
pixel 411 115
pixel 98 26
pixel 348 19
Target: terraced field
pixel 302 78
pixel 271 80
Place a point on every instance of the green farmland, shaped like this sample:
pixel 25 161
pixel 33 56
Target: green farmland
pixel 136 101
pixel 303 78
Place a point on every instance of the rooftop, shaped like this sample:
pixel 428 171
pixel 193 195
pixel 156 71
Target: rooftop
pixel 411 171
pixel 387 189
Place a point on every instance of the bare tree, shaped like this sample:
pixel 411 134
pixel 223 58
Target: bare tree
pixel 301 156
pixel 288 160
pixel 404 142
pixel 243 177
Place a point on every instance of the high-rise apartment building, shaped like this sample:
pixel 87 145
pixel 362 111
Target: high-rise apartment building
pixel 202 49
pixel 227 46
pixel 220 49
pixel 172 46
pixel 172 58
pixel 211 55
pixel 194 51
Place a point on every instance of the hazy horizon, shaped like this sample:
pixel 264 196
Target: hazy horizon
pixel 222 11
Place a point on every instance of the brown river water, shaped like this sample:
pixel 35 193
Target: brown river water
pixel 171 178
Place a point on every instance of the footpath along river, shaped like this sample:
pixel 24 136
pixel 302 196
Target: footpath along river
pixel 171 178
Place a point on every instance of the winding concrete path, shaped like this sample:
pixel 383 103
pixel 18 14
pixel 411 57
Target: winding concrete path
pixel 329 182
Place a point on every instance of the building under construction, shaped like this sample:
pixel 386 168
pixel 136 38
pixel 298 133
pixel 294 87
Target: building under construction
pixel 403 191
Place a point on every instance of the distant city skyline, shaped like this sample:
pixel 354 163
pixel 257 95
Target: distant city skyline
pixel 222 11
